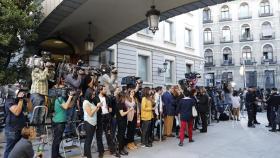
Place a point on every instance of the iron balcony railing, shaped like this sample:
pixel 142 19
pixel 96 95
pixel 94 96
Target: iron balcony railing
pixel 266 13
pixel 242 17
pixel 226 40
pixel 225 18
pixel 267 37
pixel 209 64
pixel 210 41
pixel 269 61
pixel 229 62
pixel 244 38
pixel 248 61
pixel 205 21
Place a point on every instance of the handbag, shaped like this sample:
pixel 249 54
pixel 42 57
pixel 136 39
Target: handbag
pixel 194 112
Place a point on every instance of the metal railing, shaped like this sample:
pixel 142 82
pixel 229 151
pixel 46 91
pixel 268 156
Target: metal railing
pixel 269 61
pixel 205 21
pixel 248 61
pixel 227 62
pixel 228 18
pixel 226 40
pixel 209 41
pixel 243 38
pixel 209 64
pixel 265 14
pixel 267 37
pixel 242 17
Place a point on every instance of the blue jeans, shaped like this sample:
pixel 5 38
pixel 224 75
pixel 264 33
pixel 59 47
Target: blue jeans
pixel 12 137
pixel 38 115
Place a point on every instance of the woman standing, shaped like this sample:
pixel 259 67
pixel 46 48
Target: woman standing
pixel 235 105
pixel 146 116
pixel 131 102
pixel 90 117
pixel 59 121
pixel 203 108
pixel 122 114
pixel 184 111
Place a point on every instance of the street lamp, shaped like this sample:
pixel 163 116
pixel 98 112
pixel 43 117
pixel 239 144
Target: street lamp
pixel 89 42
pixel 163 70
pixel 242 71
pixel 153 16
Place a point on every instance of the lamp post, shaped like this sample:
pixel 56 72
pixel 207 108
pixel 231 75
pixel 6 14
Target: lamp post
pixel 89 42
pixel 242 71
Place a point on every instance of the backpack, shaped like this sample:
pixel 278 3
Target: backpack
pixel 224 117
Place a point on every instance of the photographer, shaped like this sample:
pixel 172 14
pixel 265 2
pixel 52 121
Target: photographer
pixel 39 90
pixel 15 119
pixel 59 121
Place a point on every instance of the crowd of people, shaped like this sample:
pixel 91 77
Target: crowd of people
pixel 122 112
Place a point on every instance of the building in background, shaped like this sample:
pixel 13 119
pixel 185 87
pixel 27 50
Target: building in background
pixel 242 36
pixel 177 42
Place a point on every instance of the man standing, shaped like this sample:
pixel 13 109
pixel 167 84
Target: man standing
pixel 39 90
pixel 104 121
pixel 273 104
pixel 169 110
pixel 15 119
pixel 270 103
pixel 250 104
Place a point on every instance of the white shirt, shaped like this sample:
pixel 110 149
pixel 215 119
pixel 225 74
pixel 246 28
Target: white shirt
pixel 91 120
pixel 104 106
pixel 235 102
pixel 158 101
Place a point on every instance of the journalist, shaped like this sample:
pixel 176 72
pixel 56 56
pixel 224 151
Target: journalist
pixel 39 90
pixel 15 119
pixel 90 116
pixel 59 121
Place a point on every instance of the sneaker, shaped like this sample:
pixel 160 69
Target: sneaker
pixel 148 145
pixel 272 130
pixel 257 123
pixel 191 141
pixel 252 126
pixel 181 144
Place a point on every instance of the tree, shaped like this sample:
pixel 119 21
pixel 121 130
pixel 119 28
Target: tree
pixel 18 22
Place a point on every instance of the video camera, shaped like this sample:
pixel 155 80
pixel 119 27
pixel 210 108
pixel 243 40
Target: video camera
pixel 11 91
pixel 131 80
pixel 36 61
pixel 190 80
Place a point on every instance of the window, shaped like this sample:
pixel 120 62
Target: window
pixel 265 7
pixel 227 76
pixel 188 37
pixel 269 79
pixel 188 68
pixel 210 79
pixel 208 56
pixel 246 52
pixel 168 73
pixel 246 31
pixel 266 29
pixel 251 78
pixel 227 55
pixel 268 52
pixel 107 57
pixel 169 31
pixel 207 35
pixel 226 34
pixel 206 14
pixel 143 70
pixel 225 12
pixel 244 10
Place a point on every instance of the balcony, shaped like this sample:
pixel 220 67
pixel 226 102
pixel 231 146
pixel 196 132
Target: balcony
pixel 243 38
pixel 225 18
pixel 209 64
pixel 208 42
pixel 248 61
pixel 266 14
pixel 206 21
pixel 243 17
pixel 267 37
pixel 226 40
pixel 272 61
pixel 227 63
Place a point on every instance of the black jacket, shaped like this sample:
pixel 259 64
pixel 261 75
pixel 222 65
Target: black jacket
pixel 203 103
